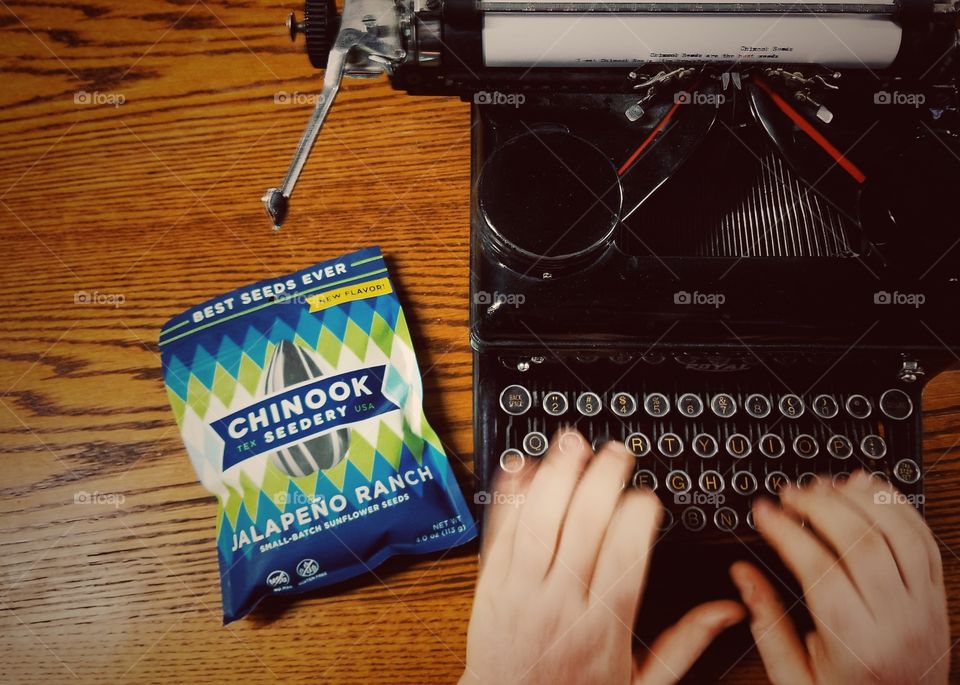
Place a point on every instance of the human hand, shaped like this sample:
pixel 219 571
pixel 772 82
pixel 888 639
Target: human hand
pixel 872 579
pixel 563 564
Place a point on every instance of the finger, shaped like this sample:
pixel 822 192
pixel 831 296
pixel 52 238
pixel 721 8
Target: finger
pixel 916 552
pixel 818 570
pixel 538 527
pixel 680 645
pixel 591 508
pixel 500 522
pixel 780 648
pixel 625 554
pixel 857 542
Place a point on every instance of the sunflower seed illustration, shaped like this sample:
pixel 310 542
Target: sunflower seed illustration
pixel 291 365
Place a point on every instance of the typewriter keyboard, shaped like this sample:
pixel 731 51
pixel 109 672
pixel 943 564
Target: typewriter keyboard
pixel 708 454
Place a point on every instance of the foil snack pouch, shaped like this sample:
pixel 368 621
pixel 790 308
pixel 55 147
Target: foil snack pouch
pixel 300 404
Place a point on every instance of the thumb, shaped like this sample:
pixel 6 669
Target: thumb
pixel 680 645
pixel 784 656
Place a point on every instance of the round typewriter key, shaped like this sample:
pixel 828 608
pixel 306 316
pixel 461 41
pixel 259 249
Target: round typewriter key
pixel 723 405
pixel 775 481
pixel 693 519
pixel 670 445
pixel 825 406
pixel 535 443
pixel 840 478
pixel 726 519
pixel 840 447
pixel 881 476
pixel 738 445
pixel 645 478
pixel 757 406
pixel 515 400
pixel 771 446
pixel 555 403
pixel 711 482
pixel 512 460
pixel 805 446
pixel 678 482
pixel 623 404
pixel 599 442
pixel 705 445
pixel 750 521
pixel 589 404
pixel 744 483
pixel 690 405
pixel 896 404
pixel 907 471
pixel 666 519
pixel 858 406
pixel 638 443
pixel 656 405
pixel 791 406
pixel 805 480
pixel 873 446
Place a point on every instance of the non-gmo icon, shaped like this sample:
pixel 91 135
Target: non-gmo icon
pixel 307 568
pixel 278 578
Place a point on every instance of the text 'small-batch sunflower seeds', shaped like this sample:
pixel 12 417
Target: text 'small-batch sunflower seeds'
pixel 300 404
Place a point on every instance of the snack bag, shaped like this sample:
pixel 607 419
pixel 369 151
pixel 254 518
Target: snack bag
pixel 300 403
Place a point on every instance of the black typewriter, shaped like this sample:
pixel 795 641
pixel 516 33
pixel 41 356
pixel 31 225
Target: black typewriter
pixel 723 233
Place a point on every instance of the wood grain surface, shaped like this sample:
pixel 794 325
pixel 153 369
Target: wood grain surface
pixel 136 139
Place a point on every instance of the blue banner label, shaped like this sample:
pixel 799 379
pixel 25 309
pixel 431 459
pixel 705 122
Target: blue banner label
pixel 299 413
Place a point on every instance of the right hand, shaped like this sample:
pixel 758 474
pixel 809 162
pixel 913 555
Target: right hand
pixel 872 579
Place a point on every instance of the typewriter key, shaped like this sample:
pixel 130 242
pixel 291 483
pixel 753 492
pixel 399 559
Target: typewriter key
pixel 656 405
pixel 645 478
pixel 771 446
pixel 738 445
pixel 750 521
pixel 723 405
pixel 873 446
pixel 535 443
pixel 705 445
pixel 896 404
pixel 693 519
pixel 512 460
pixel 639 444
pixel 515 400
pixel 805 446
pixel 907 471
pixel 881 476
pixel 840 478
pixel 775 482
pixel 690 405
pixel 666 519
pixel 623 404
pixel 791 406
pixel 858 406
pixel 589 404
pixel 711 482
pixel 670 445
pixel 678 482
pixel 555 403
pixel 840 447
pixel 757 406
pixel 807 479
pixel 726 519
pixel 825 406
pixel 744 483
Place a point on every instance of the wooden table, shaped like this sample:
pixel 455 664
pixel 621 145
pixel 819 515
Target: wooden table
pixel 136 141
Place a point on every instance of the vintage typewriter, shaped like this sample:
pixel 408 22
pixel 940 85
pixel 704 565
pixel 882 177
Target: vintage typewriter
pixel 722 232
